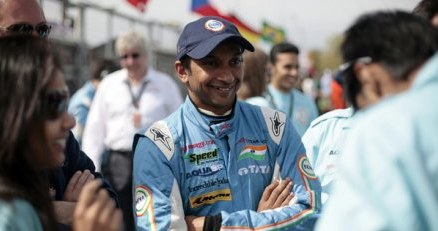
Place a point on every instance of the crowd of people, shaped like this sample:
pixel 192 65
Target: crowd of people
pixel 246 150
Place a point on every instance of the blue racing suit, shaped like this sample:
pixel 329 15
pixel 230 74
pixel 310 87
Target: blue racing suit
pixel 192 164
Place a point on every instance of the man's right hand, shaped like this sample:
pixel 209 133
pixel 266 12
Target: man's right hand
pixel 276 195
pixel 76 183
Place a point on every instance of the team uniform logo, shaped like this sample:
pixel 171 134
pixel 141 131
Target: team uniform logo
pixel 143 200
pixel 162 137
pixel 200 158
pixel 254 169
pixel 253 152
pixel 306 168
pixel 214 25
pixel 211 198
pixel 143 206
pixel 205 171
pixel 276 124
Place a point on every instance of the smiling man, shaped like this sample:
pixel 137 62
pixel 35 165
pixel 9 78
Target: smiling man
pixel 282 94
pixel 210 165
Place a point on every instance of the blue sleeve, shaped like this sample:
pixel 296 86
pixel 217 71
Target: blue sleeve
pixel 157 202
pixel 291 162
pixel 18 215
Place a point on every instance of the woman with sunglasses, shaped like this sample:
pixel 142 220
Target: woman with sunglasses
pixel 34 127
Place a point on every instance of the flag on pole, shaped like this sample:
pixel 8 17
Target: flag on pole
pixel 204 8
pixel 139 4
pixel 273 34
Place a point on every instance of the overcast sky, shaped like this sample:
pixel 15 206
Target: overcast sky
pixel 308 23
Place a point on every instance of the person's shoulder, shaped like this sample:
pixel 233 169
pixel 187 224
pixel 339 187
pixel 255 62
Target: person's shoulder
pixel 18 215
pixel 303 98
pixel 259 101
pixel 114 77
pixel 338 114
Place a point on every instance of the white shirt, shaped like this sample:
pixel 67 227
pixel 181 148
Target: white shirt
pixel 324 141
pixel 110 120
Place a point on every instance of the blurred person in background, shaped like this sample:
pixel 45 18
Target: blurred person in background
pixel 281 93
pixel 66 181
pixel 387 175
pixel 337 96
pixel 427 9
pixel 255 78
pixel 126 102
pixel 80 101
pixel 34 130
pixel 326 136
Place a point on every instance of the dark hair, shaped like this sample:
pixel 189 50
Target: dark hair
pixel 283 47
pixel 254 78
pixel 26 67
pixel 426 9
pixel 101 68
pixel 398 40
pixel 185 62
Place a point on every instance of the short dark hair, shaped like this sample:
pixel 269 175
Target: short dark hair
pixel 101 68
pixel 398 40
pixel 283 47
pixel 426 9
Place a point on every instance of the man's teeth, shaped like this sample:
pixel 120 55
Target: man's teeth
pixel 223 88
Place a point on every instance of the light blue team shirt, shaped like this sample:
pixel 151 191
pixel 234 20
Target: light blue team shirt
pixel 297 106
pixel 388 179
pixel 324 141
pixel 18 215
pixel 79 106
pixel 259 101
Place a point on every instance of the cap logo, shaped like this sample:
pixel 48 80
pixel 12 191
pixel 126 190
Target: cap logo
pixel 214 25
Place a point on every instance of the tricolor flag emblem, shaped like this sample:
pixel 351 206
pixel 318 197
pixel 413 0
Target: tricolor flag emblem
pixel 254 152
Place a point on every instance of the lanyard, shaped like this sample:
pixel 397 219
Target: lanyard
pixel 270 98
pixel 136 98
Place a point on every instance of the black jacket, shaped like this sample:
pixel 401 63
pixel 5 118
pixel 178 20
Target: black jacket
pixel 75 159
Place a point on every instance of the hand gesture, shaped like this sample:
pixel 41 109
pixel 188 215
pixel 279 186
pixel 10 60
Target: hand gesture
pixel 276 195
pixel 75 185
pixel 95 210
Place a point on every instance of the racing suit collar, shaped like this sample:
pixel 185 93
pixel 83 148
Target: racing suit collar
pixel 219 125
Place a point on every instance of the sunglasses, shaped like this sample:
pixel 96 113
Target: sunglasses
pixel 363 60
pixel 54 104
pixel 42 29
pixel 133 55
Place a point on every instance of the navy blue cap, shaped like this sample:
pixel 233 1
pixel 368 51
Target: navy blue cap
pixel 200 37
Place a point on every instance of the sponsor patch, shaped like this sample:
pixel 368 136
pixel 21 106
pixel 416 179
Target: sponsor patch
pixel 160 134
pixel 306 168
pixel 276 124
pixel 143 200
pixel 254 169
pixel 208 184
pixel 197 145
pixel 253 152
pixel 200 158
pixel 205 171
pixel 211 198
pixel 214 25
pixel 162 137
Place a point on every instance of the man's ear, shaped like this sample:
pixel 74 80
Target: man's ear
pixel 183 73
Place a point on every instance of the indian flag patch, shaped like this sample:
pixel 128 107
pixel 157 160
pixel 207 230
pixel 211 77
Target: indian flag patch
pixel 306 168
pixel 254 152
pixel 143 205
